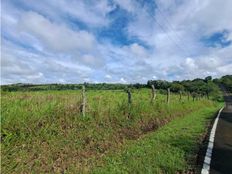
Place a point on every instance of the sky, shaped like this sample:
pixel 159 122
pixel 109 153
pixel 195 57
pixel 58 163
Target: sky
pixel 114 41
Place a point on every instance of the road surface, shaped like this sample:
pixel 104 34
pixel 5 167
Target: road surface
pixel 221 161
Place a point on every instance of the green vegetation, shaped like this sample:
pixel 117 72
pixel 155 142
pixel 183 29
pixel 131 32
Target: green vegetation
pixel 227 82
pixel 45 87
pixel 172 148
pixel 45 132
pixel 198 87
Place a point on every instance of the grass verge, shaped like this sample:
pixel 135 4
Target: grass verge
pixel 171 149
pixel 44 132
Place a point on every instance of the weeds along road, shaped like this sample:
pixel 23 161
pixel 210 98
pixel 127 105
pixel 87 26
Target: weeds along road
pixel 221 161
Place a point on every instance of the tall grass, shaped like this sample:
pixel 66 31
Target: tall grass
pixel 45 131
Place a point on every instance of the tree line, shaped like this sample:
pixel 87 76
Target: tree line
pixel 202 87
pixel 198 86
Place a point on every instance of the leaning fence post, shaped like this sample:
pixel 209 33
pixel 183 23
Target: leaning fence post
pixel 168 95
pixel 153 93
pixel 83 101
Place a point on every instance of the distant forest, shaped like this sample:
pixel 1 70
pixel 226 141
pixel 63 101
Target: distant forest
pixel 197 86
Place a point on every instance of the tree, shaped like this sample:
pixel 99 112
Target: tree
pixel 159 84
pixel 176 87
pixel 226 81
pixel 208 78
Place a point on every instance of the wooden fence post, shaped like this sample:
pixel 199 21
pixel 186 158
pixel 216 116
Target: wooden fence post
pixel 188 96
pixel 153 93
pixel 129 96
pixel 207 94
pixel 194 96
pixel 180 92
pixel 83 101
pixel 129 101
pixel 168 96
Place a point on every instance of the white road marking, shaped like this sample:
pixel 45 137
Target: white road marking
pixel 208 155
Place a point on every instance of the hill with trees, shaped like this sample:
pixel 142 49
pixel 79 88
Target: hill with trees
pixel 196 87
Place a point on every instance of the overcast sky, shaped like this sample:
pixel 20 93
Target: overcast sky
pixel 116 41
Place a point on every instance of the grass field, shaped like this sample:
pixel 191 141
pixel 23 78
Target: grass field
pixel 171 149
pixel 44 132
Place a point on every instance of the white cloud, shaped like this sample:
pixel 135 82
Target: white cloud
pixel 18 65
pixel 174 33
pixel 92 61
pixel 108 76
pixel 226 69
pixel 60 41
pixel 136 50
pixel 13 70
pixel 190 64
pixel 93 13
pixel 154 77
pixel 122 80
pixel 56 37
pixel 200 67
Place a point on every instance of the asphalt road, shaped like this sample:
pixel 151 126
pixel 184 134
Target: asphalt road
pixel 221 161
